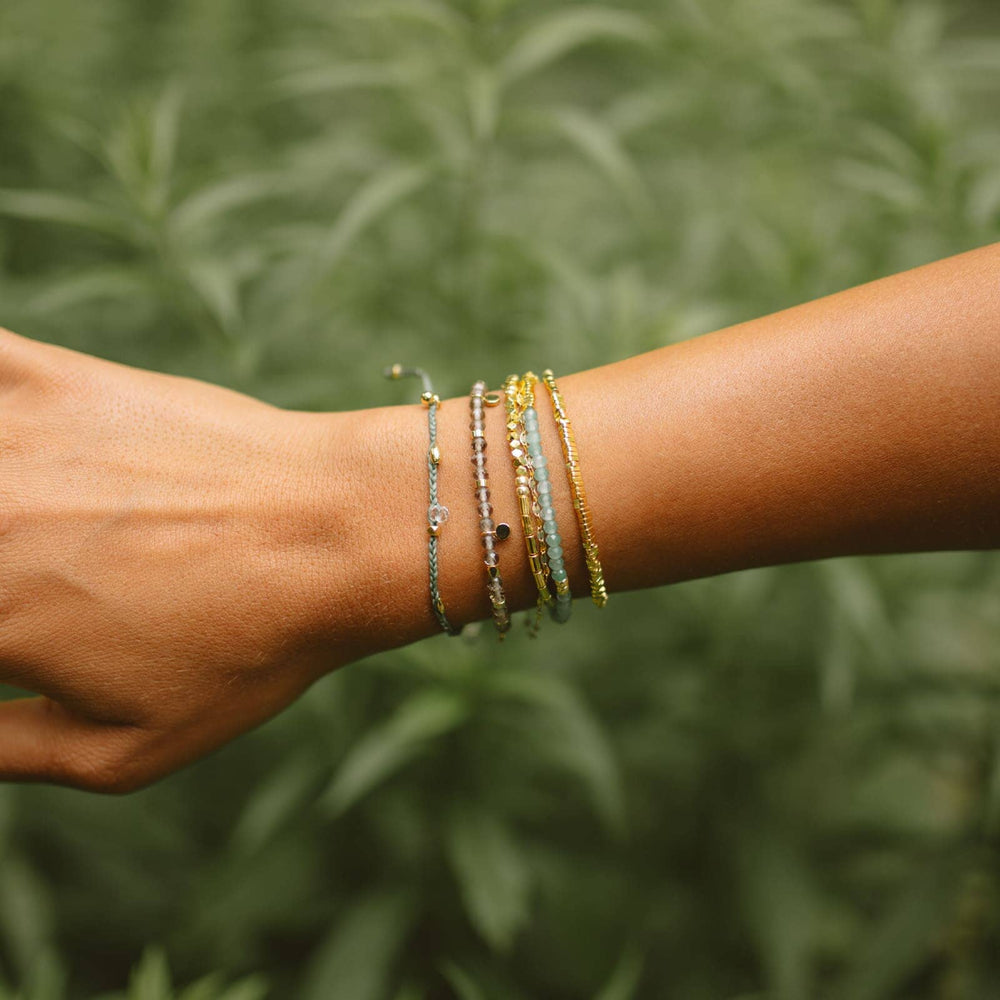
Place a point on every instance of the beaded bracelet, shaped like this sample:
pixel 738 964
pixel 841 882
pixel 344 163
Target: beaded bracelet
pixel 490 532
pixel 437 513
pixel 544 508
pixel 598 590
pixel 522 480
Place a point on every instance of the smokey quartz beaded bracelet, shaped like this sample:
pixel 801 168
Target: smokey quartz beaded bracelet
pixel 489 531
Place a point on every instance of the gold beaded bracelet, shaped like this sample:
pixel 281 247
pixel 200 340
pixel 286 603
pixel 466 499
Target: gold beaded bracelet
pixel 515 406
pixel 598 590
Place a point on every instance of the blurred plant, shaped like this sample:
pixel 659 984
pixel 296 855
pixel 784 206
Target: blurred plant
pixel 781 784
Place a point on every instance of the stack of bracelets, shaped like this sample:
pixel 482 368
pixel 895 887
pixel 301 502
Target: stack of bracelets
pixel 533 487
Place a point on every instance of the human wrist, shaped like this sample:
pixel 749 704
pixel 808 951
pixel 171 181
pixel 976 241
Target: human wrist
pixel 367 472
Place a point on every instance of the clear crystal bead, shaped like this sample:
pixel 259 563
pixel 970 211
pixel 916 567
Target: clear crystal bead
pixel 437 513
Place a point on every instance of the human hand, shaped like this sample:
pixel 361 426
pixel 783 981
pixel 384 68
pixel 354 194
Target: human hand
pixel 170 565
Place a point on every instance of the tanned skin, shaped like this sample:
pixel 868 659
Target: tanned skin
pixel 178 562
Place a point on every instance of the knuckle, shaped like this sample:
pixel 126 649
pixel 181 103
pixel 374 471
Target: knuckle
pixel 114 769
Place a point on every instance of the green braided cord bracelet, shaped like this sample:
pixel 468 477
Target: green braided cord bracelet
pixel 437 513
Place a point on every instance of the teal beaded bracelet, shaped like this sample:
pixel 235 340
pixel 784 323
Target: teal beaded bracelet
pixel 542 487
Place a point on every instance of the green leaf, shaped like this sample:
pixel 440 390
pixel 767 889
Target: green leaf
pixel 572 736
pixel 216 287
pixel 251 988
pixel 355 959
pixel 782 906
pixel 279 797
pixel 164 128
pixel 601 147
pixel 204 206
pixel 150 979
pixel 387 748
pixel 558 34
pixel 207 988
pixel 426 13
pixel 47 979
pixel 465 987
pixel 410 991
pixel 85 287
pixel 212 987
pixel 492 874
pixel 624 980
pixel 878 183
pixel 371 201
pixel 899 943
pixel 26 917
pixel 63 209
pixel 484 103
pixel 859 602
pixel 342 76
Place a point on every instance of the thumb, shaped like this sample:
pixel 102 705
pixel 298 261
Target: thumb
pixel 42 740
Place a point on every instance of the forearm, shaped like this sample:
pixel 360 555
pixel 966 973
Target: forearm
pixel 181 561
pixel 864 422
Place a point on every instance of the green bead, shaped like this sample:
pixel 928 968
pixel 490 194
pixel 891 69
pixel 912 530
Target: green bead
pixel 541 475
pixel 559 574
pixel 556 552
pixel 553 539
pixel 550 526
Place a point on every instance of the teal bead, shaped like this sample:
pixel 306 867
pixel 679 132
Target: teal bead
pixel 553 540
pixel 550 526
pixel 540 460
pixel 555 552
pixel 544 486
pixel 533 438
pixel 548 514
pixel 531 414
pixel 559 574
pixel 541 475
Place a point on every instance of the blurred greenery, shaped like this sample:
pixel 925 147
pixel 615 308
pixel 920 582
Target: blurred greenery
pixel 779 784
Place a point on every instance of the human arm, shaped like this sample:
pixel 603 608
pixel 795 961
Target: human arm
pixel 864 422
pixel 178 562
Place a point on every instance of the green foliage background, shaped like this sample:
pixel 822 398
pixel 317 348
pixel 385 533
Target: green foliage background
pixel 779 784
